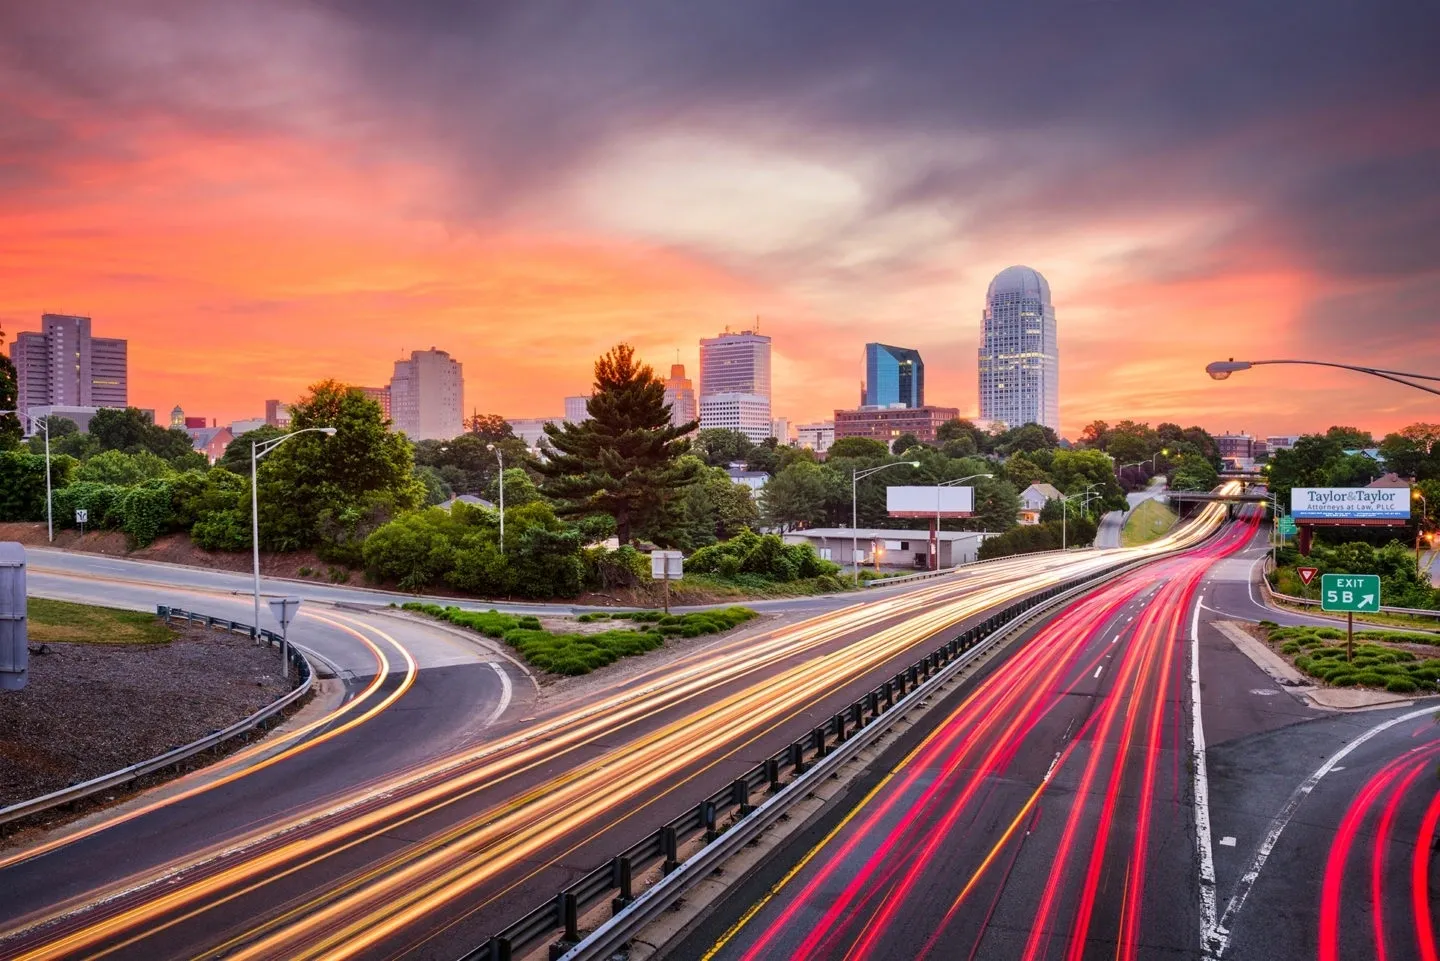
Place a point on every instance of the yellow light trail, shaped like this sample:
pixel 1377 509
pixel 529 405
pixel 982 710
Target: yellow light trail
pixel 374 904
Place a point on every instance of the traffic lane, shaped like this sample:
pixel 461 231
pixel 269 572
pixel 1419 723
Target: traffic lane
pixel 453 929
pixel 1001 802
pixel 1282 915
pixel 655 721
pixel 444 709
pixel 1238 697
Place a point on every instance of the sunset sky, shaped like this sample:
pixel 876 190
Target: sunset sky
pixel 261 194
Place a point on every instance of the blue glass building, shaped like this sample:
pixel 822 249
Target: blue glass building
pixel 893 375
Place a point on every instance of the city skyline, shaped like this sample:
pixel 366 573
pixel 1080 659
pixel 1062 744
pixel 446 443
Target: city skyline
pixel 252 233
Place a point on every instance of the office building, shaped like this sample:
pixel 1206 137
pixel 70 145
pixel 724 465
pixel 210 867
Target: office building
pixel 817 436
pixel 887 423
pixel 1237 450
pixel 245 425
pixel 1019 354
pixel 680 395
pixel 62 365
pixel 278 414
pixel 577 408
pixel 380 395
pixel 427 396
pixel 780 430
pixel 531 429
pixel 735 383
pixel 196 422
pixel 893 375
pixel 1281 441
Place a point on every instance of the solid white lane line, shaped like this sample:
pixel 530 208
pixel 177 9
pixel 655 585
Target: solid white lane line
pixel 505 692
pixel 1200 784
pixel 1247 880
pixel 1099 669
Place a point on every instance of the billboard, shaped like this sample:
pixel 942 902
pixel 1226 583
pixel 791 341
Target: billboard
pixel 1350 503
pixel 927 501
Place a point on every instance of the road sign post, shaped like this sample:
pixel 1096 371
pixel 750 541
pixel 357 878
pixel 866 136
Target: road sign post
pixel 81 517
pixel 663 566
pixel 1352 594
pixel 284 609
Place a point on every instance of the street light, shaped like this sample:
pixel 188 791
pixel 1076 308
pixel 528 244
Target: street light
pixel 259 449
pixel 44 424
pixel 500 456
pixel 948 483
pixel 1222 369
pixel 856 474
pixel 1163 452
pixel 1424 516
pixel 1065 512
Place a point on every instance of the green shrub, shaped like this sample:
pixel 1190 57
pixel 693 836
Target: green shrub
pixel 1401 685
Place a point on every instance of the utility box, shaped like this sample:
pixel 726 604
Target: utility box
pixel 14 641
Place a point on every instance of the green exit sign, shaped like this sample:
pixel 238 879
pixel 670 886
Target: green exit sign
pixel 1287 525
pixel 1358 593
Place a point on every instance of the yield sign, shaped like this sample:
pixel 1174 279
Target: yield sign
pixel 1307 574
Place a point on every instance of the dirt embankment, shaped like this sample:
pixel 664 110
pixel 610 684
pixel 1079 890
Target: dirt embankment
pixel 90 709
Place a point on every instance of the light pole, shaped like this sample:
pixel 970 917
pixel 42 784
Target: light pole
pixel 500 456
pixel 1149 460
pixel 1420 524
pixel 948 483
pixel 1065 512
pixel 44 424
pixel 1221 369
pixel 259 449
pixel 856 475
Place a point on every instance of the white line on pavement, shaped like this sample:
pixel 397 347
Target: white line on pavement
pixel 1247 880
pixel 1200 784
pixel 505 690
pixel 1099 669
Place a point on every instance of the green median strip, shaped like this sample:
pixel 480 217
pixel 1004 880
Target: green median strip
pixel 578 653
pixel 61 622
pixel 1149 521
pixel 1320 653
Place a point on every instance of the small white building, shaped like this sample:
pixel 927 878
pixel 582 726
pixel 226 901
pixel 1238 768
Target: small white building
pixel 1033 500
pixel 753 479
pixel 817 436
pixel 890 548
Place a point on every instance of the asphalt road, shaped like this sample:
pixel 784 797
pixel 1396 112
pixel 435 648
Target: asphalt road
pixel 1053 810
pixel 402 843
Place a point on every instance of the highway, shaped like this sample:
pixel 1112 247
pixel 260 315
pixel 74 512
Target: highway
pixel 444 846
pixel 1058 809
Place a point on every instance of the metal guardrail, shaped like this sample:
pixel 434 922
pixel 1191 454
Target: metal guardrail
pixel 921 575
pixel 808 760
pixel 1307 602
pixel 106 781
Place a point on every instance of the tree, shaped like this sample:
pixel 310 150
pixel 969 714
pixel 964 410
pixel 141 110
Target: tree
pixel 121 469
pixel 436 490
pixel 489 428
pixel 625 460
pixel 860 448
pixel 903 443
pixel 721 446
pixel 764 457
pixel 58 428
pixel 519 488
pixel 344 484
pixel 997 506
pixel 714 508
pixel 10 428
pixel 795 497
pixel 236 458
pixel 1350 438
pixel 1194 473
pixel 1096 434
pixel 1026 437
pixel 1074 470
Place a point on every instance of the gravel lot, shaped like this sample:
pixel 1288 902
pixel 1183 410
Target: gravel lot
pixel 90 709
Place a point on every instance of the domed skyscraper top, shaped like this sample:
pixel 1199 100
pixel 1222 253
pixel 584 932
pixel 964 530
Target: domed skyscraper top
pixel 1019 353
pixel 1019 280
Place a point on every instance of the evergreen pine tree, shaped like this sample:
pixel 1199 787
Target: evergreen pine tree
pixel 625 460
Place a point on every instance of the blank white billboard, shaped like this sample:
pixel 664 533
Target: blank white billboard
pixel 926 501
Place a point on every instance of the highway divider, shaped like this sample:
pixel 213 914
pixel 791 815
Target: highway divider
pixel 76 792
pixel 805 762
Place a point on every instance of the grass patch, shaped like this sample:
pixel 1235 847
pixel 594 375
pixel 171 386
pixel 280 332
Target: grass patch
pixel 582 653
pixel 1320 653
pixel 67 623
pixel 1149 521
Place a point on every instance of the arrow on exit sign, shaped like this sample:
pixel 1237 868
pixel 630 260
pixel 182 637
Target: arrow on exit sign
pixel 1307 574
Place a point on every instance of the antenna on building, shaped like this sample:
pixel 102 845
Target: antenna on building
pixel 757 323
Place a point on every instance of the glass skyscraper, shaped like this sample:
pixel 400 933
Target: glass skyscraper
pixel 893 375
pixel 1019 356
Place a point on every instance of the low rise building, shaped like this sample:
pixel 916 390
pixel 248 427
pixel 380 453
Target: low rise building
pixel 887 423
pixel 210 441
pixel 817 436
pixel 890 549
pixel 1033 500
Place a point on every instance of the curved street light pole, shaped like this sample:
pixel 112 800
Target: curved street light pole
pixel 856 475
pixel 43 424
pixel 1065 513
pixel 259 449
pixel 1222 369
pixel 949 483
pixel 500 456
pixel 1420 524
